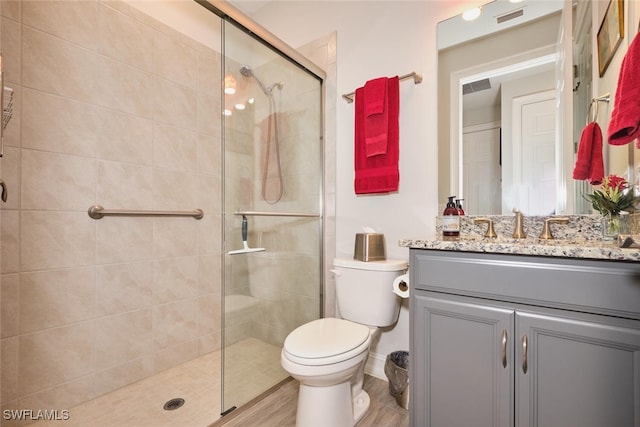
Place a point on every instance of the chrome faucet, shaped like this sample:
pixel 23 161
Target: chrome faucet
pixel 518 231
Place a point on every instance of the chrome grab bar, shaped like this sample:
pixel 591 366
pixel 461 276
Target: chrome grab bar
pixel 97 212
pixel 263 213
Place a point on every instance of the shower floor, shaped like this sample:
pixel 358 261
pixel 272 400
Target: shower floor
pixel 256 366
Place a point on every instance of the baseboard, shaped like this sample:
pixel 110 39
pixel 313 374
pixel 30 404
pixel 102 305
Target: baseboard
pixel 375 366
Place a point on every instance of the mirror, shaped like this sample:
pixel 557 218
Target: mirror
pixel 500 115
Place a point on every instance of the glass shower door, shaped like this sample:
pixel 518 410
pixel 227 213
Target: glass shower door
pixel 272 211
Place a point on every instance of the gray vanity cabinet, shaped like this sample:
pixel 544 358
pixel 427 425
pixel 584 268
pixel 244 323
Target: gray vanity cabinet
pixel 508 340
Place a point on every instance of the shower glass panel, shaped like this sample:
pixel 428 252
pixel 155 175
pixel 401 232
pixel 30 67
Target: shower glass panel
pixel 272 211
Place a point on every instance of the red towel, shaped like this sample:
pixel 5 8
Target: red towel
pixel 379 173
pixel 589 161
pixel 624 125
pixel 376 116
pixel 375 96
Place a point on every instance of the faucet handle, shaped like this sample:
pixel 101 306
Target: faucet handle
pixel 518 230
pixel 546 230
pixel 490 233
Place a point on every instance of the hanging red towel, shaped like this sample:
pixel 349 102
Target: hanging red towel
pixel 375 96
pixel 624 125
pixel 589 160
pixel 376 116
pixel 379 173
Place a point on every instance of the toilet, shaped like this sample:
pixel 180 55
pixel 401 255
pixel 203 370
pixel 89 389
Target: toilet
pixel 327 356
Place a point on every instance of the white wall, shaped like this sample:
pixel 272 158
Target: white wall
pixel 616 157
pixel 379 38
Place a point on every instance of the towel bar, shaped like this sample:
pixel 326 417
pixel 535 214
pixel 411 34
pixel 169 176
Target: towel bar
pixel 594 101
pixel 291 214
pixel 417 78
pixel 97 212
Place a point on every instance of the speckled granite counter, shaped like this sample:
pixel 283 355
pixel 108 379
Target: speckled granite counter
pixel 580 238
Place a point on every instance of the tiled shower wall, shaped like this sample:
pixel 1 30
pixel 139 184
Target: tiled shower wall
pixel 112 108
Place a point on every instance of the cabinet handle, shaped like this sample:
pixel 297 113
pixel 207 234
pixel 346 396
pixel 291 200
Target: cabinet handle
pixel 524 354
pixel 504 348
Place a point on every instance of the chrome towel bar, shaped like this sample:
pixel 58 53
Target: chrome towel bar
pixel 97 212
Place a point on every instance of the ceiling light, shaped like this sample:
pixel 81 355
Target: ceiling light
pixel 239 106
pixel 229 84
pixel 227 112
pixel 471 14
pixel 515 1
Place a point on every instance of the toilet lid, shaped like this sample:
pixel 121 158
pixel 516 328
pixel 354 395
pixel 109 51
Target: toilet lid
pixel 326 337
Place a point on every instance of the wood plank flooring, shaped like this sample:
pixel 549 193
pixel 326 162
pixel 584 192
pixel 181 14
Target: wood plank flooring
pixel 278 409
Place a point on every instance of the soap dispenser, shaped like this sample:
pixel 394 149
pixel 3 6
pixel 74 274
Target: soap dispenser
pixel 459 206
pixel 450 221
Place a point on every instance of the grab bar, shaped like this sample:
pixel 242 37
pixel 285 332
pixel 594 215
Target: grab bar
pixel 97 212
pixel 262 213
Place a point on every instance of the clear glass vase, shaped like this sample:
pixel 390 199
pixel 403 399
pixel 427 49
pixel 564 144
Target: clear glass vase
pixel 611 227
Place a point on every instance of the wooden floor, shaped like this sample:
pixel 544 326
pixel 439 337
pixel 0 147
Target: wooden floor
pixel 278 409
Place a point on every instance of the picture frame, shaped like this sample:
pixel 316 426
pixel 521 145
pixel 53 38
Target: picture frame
pixel 610 34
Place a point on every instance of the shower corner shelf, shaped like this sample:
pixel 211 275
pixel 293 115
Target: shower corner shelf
pixel 7 106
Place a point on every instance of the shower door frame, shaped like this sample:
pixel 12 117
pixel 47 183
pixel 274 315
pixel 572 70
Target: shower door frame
pixel 231 15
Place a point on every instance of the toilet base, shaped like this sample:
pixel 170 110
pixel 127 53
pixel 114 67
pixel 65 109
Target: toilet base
pixel 330 406
pixel 360 406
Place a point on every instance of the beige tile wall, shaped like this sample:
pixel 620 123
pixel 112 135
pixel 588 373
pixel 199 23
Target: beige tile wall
pixel 112 108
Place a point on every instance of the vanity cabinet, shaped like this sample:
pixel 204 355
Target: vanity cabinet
pixel 510 340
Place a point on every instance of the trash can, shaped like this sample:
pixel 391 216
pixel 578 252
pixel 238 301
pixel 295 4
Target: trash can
pixel 396 368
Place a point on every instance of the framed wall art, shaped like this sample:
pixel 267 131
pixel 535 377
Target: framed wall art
pixel 610 34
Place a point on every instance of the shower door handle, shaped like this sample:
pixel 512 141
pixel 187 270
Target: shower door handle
pixel 2 124
pixel 3 191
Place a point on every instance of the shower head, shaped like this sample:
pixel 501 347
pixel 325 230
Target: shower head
pixel 246 71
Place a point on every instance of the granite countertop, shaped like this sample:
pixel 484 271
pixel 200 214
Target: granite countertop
pixel 581 238
pixel 575 248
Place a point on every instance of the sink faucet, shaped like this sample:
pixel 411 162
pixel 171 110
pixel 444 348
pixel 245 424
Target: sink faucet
pixel 546 230
pixel 491 233
pixel 518 231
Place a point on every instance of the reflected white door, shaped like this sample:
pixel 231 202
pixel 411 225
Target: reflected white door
pixel 481 166
pixel 534 150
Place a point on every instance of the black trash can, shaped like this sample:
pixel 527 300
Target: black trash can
pixel 396 368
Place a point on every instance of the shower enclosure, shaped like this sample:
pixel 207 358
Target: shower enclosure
pixel 152 110
pixel 273 178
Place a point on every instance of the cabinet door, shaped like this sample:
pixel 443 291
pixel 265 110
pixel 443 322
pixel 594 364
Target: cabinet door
pixel 464 374
pixel 578 373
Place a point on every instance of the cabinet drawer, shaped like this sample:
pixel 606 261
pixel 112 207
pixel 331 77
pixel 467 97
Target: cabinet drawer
pixel 594 286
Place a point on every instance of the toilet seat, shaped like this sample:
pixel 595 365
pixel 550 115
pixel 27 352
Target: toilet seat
pixel 326 341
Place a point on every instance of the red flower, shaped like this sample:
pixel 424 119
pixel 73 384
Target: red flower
pixel 614 182
pixel 613 197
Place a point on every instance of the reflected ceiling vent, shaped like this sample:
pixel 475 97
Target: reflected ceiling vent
pixel 476 86
pixel 509 16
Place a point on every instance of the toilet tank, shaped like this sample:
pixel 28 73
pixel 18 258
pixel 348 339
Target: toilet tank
pixel 364 290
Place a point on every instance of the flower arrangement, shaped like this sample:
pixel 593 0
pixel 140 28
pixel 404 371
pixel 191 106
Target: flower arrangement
pixel 613 197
